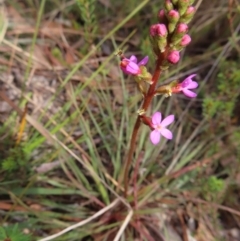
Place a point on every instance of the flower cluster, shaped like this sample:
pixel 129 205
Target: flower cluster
pixel 171 32
pixel 168 37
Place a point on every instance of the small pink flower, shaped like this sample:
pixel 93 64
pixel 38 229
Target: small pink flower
pixel 174 57
pixel 186 39
pixel 186 87
pixel 182 28
pixel 130 66
pixel 159 127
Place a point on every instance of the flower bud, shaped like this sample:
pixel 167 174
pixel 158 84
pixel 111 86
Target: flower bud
pixel 174 57
pixel 188 15
pixel 179 32
pixel 182 6
pixel 153 30
pixel 158 30
pixel 162 43
pixel 161 15
pixel 168 5
pixel 174 2
pixel 190 10
pixel 186 39
pixel 161 30
pixel 144 75
pixel 159 33
pixel 182 28
pixel 173 17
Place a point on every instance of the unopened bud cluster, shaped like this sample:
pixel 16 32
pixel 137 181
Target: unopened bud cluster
pixel 169 36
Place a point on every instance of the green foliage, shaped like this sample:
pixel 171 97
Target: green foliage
pixel 212 187
pixel 56 52
pixel 235 139
pixel 13 234
pixel 90 117
pixel 219 107
pixel 87 13
pixel 14 159
pixel 220 103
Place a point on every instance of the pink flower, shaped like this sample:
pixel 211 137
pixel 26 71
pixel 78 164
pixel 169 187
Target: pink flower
pixel 159 127
pixel 174 57
pixel 130 66
pixel 186 39
pixel 186 87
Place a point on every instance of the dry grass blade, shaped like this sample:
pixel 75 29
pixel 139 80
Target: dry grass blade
pixel 3 23
pixel 124 225
pixel 77 225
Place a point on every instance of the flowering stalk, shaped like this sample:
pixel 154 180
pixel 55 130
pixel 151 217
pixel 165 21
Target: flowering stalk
pixel 168 38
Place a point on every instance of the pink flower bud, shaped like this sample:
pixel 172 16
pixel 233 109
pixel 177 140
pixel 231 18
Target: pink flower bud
pixel 168 5
pixel 173 14
pixel 161 30
pixel 153 30
pixel 174 57
pixel 186 39
pixel 182 28
pixel 190 10
pixel 158 30
pixel 161 15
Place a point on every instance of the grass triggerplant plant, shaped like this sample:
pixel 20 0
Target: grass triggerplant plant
pixel 168 38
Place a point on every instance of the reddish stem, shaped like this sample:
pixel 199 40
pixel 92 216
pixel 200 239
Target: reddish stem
pixel 147 101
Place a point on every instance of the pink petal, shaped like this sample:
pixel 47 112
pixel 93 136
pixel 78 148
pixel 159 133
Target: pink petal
pixel 133 59
pixel 192 85
pixel 166 133
pixel 124 70
pixel 132 68
pixel 143 61
pixel 191 76
pixel 188 81
pixel 156 118
pixel 155 137
pixel 189 93
pixel 167 121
